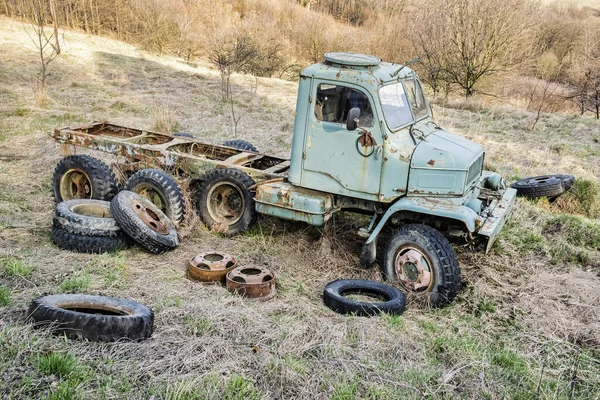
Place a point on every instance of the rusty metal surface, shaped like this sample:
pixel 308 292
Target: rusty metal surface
pixel 159 150
pixel 413 269
pixel 150 217
pixel 210 266
pixel 252 281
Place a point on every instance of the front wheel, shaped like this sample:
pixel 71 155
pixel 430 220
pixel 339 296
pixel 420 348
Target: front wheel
pixel 422 260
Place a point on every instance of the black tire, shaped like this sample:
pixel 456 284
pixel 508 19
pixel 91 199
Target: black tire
pixel 443 281
pixel 544 186
pixel 86 217
pixel 241 145
pixel 83 177
pixel 88 244
pixel 214 210
pixel 184 134
pixel 161 189
pixel 144 222
pixel 95 318
pixel 394 301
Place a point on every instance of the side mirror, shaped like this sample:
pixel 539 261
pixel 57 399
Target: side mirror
pixel 352 120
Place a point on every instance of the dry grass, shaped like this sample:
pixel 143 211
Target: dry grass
pixel 525 324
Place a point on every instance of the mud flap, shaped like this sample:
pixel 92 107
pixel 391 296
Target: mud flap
pixel 368 253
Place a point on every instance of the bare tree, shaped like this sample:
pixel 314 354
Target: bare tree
pixel 37 12
pixel 463 41
pixel 585 74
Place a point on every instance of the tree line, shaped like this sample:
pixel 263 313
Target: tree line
pixel 462 45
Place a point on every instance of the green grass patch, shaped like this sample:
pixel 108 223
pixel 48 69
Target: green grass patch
pixel 395 320
pixel 5 296
pixel 199 325
pixel 10 267
pixel 75 284
pixel 64 365
pixel 523 240
pixel 65 391
pixel 574 230
pixel 583 198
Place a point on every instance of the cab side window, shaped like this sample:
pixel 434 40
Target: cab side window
pixel 334 102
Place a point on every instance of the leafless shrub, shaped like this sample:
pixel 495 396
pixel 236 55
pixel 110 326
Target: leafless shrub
pixel 44 40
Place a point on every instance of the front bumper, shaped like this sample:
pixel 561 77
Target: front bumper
pixel 493 224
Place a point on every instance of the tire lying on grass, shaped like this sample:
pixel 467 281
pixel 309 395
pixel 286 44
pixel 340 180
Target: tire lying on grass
pixel 161 189
pixel 89 244
pixel 544 186
pixel 86 217
pixel 144 222
pixel 95 318
pixel 83 177
pixel 423 261
pixel 241 145
pixel 393 301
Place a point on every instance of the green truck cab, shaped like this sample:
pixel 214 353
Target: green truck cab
pixel 363 141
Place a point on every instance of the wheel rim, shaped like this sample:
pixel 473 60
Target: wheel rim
pixel 150 193
pixel 150 218
pixel 75 184
pixel 226 203
pixel 413 269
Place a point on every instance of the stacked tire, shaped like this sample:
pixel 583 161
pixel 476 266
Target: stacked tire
pixel 87 226
pixel 92 216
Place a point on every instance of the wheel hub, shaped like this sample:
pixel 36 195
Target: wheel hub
pixel 413 269
pixel 226 203
pixel 75 184
pixel 150 218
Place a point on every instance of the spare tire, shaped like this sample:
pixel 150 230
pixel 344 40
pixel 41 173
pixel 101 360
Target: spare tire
pixel 393 300
pixel 86 217
pixel 241 145
pixel 144 222
pixel 544 185
pixel 83 177
pixel 161 189
pixel 95 318
pixel 89 244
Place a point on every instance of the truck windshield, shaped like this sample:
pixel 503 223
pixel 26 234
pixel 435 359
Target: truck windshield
pixel 395 103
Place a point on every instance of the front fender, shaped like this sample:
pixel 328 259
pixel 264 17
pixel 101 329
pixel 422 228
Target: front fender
pixel 451 208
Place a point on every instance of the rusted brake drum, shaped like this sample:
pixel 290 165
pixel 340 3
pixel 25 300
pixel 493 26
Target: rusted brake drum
pixel 252 281
pixel 210 266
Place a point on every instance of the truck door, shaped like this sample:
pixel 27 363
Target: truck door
pixel 337 160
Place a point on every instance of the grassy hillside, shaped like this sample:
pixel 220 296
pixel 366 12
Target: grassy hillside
pixel 525 325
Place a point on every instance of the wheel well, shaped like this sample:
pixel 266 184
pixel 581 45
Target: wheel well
pixel 443 224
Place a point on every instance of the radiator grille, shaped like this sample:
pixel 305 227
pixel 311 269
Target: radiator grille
pixel 475 169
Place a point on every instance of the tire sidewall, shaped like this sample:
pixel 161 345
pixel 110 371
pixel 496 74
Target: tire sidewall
pixel 333 297
pixel 67 219
pixel 130 223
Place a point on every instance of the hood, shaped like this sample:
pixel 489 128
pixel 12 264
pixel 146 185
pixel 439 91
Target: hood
pixel 444 164
pixel 445 150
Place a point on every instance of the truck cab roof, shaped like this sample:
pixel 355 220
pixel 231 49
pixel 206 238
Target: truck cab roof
pixel 361 69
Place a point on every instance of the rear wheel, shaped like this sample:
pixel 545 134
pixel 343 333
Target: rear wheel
pixel 83 177
pixel 422 260
pixel 225 203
